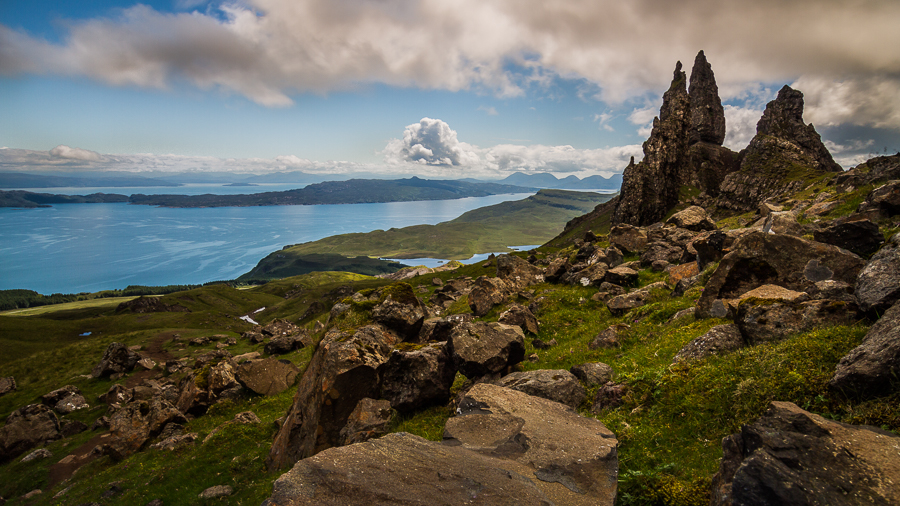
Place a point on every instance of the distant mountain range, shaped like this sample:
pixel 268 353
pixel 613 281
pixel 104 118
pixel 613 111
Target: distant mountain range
pixel 546 180
pixel 14 180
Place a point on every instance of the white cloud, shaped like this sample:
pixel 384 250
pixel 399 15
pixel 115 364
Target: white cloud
pixel 430 142
pixel 433 146
pixel 268 50
pixel 869 101
pixel 643 118
pixel 489 110
pixel 740 126
pixel 62 151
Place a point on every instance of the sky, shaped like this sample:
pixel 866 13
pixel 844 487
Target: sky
pixel 435 88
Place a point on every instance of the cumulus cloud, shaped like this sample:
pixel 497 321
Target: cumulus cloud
pixel 62 151
pixel 740 125
pixel 270 49
pixel 868 101
pixel 432 143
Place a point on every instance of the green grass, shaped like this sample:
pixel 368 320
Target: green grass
pixel 68 306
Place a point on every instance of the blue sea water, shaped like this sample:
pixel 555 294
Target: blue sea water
pixel 71 248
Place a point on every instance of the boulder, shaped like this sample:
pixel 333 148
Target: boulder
pixel 883 201
pixel 693 218
pixel 254 336
pixel 791 262
pixel 783 222
pixel 552 384
pixel 400 311
pixel 136 423
pixel 7 385
pixel 878 284
pixel 557 268
pixel 610 256
pixel 25 428
pixel 418 378
pixel 628 238
pixel 517 272
pixel 621 304
pixel 520 315
pixel 65 400
pixel 41 453
pixel 710 247
pixel 267 376
pixel 342 371
pixel 662 250
pixel 609 396
pixel 280 327
pixel 370 419
pixel 679 272
pixel 222 376
pixel 608 337
pixel 559 445
pixel 281 344
pixel 487 293
pixel 718 340
pixel 762 321
pixel 481 348
pixel 870 368
pixel 790 456
pixel 405 470
pixel 117 359
pixel 592 373
pixel 117 394
pixel 216 492
pixel 621 276
pixel 591 275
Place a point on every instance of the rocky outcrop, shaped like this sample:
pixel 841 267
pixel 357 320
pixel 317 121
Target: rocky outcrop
pixel 861 237
pixel 26 428
pixel 417 378
pixel 135 423
pixel 553 384
pixel 757 259
pixel 559 445
pixel 342 371
pixel 650 188
pixel 869 369
pixel 117 359
pixel 144 304
pixel 781 158
pixel 707 114
pixel 790 456
pixel 878 284
pixel 718 340
pixel 479 349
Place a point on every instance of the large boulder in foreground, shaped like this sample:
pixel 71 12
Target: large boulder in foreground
pixel 758 259
pixel 405 470
pixel 792 457
pixel 343 371
pixel 417 378
pixel 26 428
pixel 267 376
pixel 870 368
pixel 559 446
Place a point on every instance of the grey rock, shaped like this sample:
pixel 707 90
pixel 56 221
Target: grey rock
pixel 480 348
pixel 621 276
pixel 861 237
pixel 878 284
pixel 621 304
pixel 65 400
pixel 552 384
pixel 790 456
pixel 267 376
pixel 693 218
pixel 561 446
pixel 608 337
pixel 718 340
pixel 401 311
pixel 766 322
pixel 783 222
pixel 25 428
pixel 609 396
pixel 418 378
pixel 592 373
pixel 41 453
pixel 870 368
pixel 281 344
pixel 116 359
pixel 342 371
pixel 707 113
pixel 628 238
pixel 216 492
pixel 7 385
pixel 370 419
pixel 520 315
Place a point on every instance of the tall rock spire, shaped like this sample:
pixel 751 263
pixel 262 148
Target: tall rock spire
pixel 707 114
pixel 781 158
pixel 650 188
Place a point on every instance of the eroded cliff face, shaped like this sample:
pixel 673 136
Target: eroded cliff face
pixel 780 160
pixel 684 149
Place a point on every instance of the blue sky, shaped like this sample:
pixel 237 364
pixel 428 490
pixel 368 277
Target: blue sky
pixel 483 88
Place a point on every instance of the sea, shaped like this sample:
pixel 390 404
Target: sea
pixel 73 248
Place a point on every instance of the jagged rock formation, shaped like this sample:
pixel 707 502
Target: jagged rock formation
pixel 780 160
pixel 684 148
pixel 790 456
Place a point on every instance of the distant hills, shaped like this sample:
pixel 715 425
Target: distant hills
pixel 26 180
pixel 546 180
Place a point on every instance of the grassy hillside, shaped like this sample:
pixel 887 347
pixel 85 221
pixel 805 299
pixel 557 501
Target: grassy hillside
pixel 533 220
